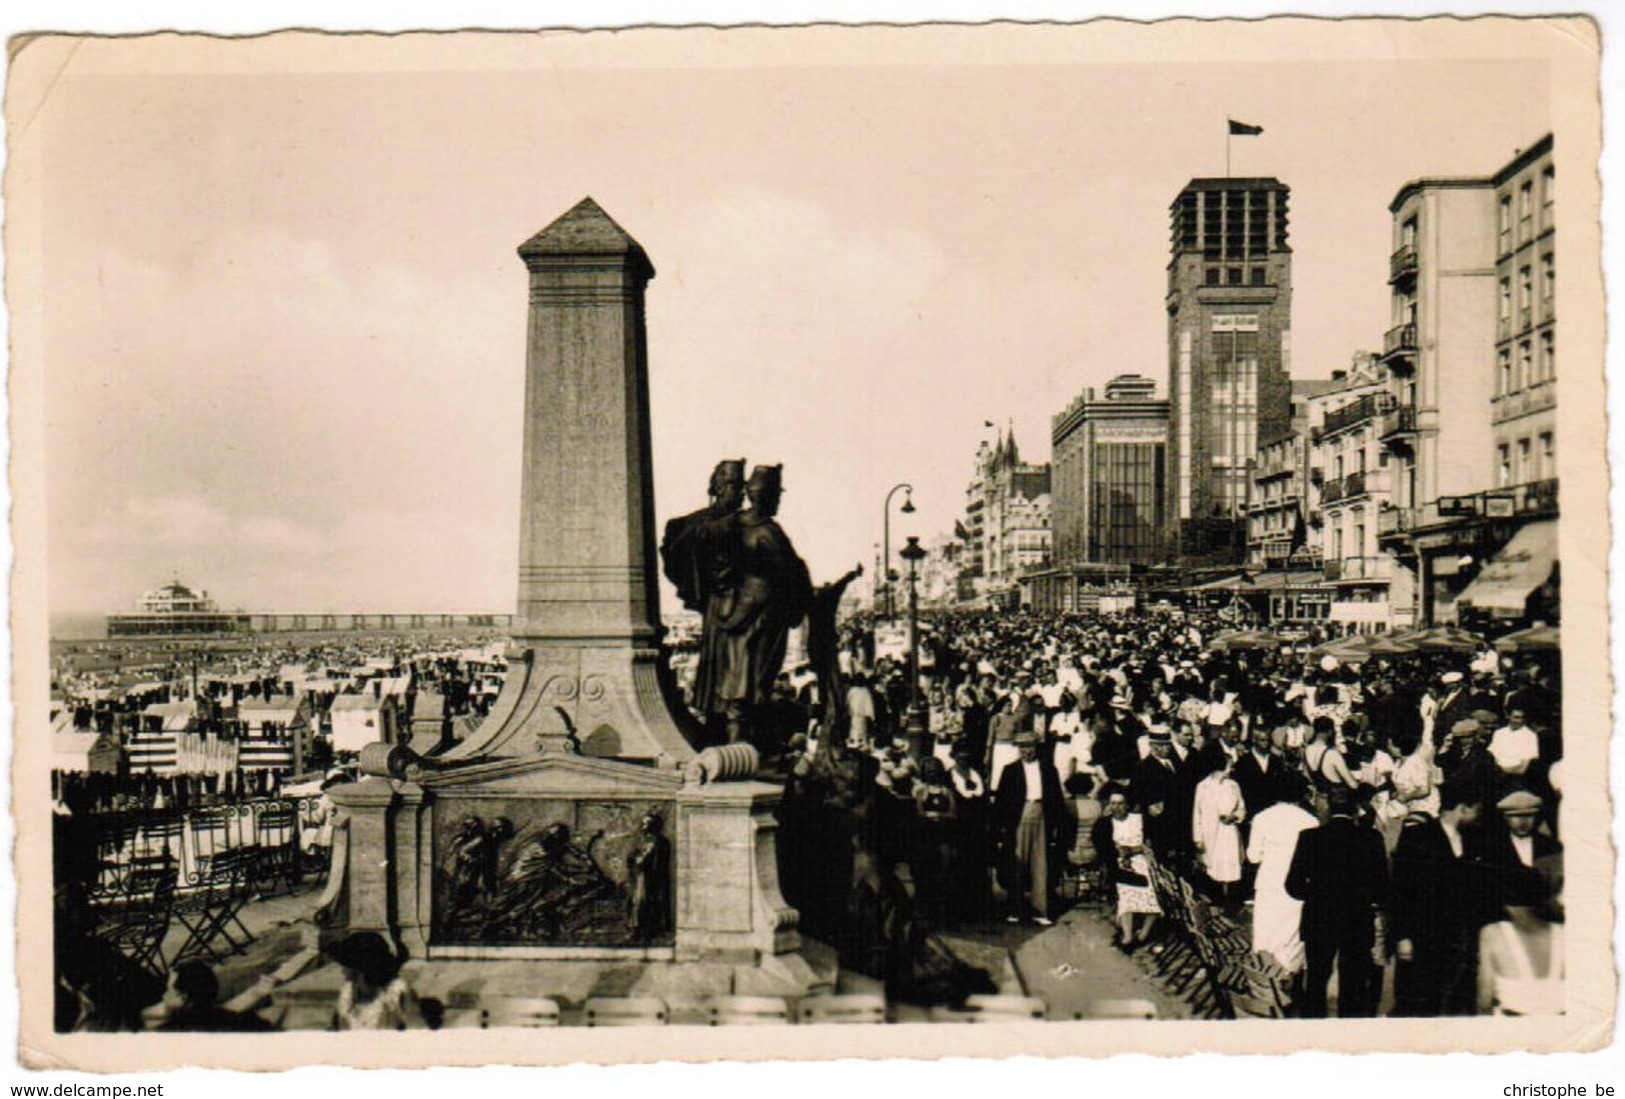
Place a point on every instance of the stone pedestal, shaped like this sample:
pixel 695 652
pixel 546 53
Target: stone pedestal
pixel 728 901
pixel 723 873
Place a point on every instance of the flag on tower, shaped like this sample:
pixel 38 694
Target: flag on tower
pixel 1244 129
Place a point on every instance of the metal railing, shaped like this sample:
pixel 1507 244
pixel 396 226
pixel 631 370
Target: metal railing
pixel 1395 520
pixel 1347 487
pixel 1400 338
pixel 1402 263
pixel 1360 568
pixel 1358 412
pixel 1401 421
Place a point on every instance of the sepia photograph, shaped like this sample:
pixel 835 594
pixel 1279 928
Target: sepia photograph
pixel 1031 539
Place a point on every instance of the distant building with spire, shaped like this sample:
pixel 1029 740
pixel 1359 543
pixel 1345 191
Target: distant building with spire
pixel 1007 521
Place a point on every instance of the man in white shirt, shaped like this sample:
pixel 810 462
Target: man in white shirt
pixel 1514 745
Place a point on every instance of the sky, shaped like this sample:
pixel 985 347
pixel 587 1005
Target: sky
pixel 283 331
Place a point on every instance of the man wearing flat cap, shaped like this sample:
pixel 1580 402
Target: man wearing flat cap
pixel 1464 759
pixel 1035 829
pixel 1517 847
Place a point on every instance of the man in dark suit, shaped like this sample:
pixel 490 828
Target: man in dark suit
pixel 1033 815
pixel 1340 873
pixel 1434 928
pixel 1160 790
pixel 1455 704
pixel 1258 772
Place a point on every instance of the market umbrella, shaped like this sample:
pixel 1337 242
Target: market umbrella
pixel 1451 639
pixel 1535 639
pixel 1353 647
pixel 1389 645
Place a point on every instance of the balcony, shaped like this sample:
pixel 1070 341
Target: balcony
pixel 1402 264
pixel 1399 345
pixel 1398 426
pixel 1358 570
pixel 1535 398
pixel 1358 412
pixel 1535 499
pixel 1349 487
pixel 1391 521
pixel 1539 498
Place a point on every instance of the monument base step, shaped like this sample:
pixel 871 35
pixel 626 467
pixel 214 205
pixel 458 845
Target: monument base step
pixel 460 985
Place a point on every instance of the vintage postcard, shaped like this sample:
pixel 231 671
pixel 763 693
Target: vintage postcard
pixel 1031 539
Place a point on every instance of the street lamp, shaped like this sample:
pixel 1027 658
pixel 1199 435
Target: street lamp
pixel 887 575
pixel 917 729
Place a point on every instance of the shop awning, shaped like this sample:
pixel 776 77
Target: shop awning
pixel 1282 580
pixel 1525 563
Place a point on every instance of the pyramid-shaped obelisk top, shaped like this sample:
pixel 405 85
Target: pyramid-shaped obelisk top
pixel 586 231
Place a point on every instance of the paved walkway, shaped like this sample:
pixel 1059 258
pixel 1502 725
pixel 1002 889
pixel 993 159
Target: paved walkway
pixel 1073 966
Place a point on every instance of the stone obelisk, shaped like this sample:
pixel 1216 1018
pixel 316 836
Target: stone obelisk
pixel 589 613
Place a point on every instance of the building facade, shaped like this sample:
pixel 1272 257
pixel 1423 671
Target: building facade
pixel 1007 522
pixel 1109 476
pixel 1229 353
pixel 1284 501
pixel 1472 356
pixel 1353 470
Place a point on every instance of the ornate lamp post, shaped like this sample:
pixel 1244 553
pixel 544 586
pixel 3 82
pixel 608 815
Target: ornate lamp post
pixel 887 575
pixel 917 727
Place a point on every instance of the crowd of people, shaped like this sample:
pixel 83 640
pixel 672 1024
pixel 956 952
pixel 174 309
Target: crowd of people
pixel 1385 827
pixel 1390 818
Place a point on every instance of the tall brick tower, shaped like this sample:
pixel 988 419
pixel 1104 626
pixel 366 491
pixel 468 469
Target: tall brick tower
pixel 1229 351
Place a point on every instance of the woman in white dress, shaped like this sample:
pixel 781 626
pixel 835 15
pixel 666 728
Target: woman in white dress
pixel 1216 818
pixel 1274 839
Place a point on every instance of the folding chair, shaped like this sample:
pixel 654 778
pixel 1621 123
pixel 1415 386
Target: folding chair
pixel 135 920
pixel 858 1008
pixel 520 1011
pixel 1268 989
pixel 625 1011
pixel 210 831
pixel 210 910
pixel 276 846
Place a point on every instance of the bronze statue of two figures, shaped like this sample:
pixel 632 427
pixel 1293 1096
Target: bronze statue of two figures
pixel 733 563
